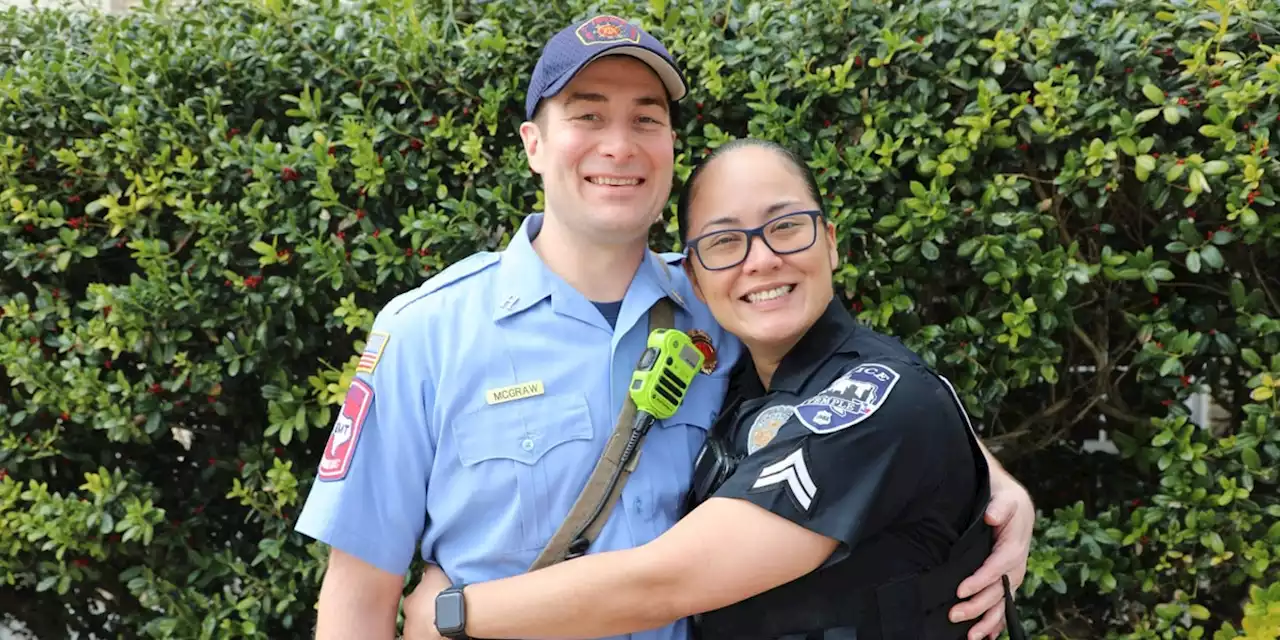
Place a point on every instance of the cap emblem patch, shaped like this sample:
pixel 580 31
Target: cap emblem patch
pixel 607 30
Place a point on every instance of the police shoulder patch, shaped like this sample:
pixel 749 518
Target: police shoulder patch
pixel 852 398
pixel 766 426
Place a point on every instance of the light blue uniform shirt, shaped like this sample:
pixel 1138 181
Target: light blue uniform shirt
pixel 420 455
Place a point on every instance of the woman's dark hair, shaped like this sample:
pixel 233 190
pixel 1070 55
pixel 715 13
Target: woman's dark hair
pixel 686 190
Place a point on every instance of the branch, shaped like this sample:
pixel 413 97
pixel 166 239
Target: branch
pixel 1099 355
pixel 1263 283
pixel 1113 412
pixel 1050 410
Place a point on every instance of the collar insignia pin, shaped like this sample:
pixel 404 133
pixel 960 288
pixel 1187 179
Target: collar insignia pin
pixel 703 342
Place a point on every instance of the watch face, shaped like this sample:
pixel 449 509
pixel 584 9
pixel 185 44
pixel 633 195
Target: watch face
pixel 449 613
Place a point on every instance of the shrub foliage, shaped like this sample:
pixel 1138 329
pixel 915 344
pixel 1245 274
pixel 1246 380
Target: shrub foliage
pixel 1071 213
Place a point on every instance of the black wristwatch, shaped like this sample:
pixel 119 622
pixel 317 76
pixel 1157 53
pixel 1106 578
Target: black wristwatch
pixel 451 613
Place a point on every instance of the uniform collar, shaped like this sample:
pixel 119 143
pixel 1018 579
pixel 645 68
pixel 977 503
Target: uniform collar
pixel 524 280
pixel 832 334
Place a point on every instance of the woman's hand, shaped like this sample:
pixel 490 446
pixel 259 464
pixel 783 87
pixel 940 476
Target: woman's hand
pixel 1012 515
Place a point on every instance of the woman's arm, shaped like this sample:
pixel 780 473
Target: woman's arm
pixel 723 552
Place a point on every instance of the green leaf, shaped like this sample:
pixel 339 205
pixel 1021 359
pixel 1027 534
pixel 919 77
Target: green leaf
pixel 1251 358
pixel 1193 262
pixel 1211 257
pixel 1146 115
pixel 1215 167
pixel 929 250
pixel 1252 461
pixel 1153 93
pixel 1213 541
pixel 1171 115
pixel 1143 167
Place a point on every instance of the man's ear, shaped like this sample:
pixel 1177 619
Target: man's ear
pixel 531 135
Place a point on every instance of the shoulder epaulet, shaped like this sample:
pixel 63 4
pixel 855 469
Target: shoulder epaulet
pixel 454 273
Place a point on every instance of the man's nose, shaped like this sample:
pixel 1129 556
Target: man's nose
pixel 618 142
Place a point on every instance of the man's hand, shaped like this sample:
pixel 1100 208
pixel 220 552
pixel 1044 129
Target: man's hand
pixel 420 605
pixel 1013 517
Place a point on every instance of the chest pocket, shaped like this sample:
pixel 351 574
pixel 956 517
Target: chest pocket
pixel 523 464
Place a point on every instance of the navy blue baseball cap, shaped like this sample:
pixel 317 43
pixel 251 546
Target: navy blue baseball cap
pixel 579 44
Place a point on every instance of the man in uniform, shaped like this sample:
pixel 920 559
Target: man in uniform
pixel 484 398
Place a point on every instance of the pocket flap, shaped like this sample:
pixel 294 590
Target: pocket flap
pixel 524 430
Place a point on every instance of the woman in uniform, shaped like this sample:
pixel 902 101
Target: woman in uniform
pixel 841 492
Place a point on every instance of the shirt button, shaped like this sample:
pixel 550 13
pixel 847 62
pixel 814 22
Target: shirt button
pixel 527 444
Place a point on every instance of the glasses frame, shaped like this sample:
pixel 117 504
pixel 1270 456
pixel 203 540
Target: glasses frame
pixel 692 245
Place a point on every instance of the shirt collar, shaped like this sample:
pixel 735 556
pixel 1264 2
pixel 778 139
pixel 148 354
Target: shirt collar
pixel 524 280
pixel 832 334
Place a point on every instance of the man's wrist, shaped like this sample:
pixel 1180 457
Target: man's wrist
pixel 451 613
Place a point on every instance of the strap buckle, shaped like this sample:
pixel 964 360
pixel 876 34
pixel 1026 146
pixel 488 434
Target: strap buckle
pixel 577 548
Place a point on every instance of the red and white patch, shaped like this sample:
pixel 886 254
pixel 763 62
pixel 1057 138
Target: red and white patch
pixel 341 447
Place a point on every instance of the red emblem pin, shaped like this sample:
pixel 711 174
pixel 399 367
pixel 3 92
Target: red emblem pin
pixel 341 447
pixel 703 342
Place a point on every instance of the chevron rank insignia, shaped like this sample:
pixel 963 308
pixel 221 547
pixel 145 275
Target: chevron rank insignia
pixel 849 400
pixel 792 474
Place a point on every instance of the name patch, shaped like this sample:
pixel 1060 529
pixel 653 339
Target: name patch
pixel 849 400
pixel 514 392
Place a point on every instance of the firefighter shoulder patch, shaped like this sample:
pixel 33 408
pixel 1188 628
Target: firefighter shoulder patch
pixel 341 447
pixel 852 398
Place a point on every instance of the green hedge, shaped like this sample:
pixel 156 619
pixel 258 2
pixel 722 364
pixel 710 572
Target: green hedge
pixel 1072 213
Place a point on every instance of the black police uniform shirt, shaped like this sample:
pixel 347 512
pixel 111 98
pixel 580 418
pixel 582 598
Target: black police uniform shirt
pixel 857 440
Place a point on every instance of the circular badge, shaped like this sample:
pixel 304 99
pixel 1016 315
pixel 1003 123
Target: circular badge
pixel 703 343
pixel 766 426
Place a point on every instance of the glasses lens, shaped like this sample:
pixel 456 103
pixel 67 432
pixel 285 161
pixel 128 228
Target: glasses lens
pixel 791 233
pixel 720 250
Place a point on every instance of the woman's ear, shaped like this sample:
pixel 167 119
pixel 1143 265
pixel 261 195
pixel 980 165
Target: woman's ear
pixel 833 250
pixel 688 271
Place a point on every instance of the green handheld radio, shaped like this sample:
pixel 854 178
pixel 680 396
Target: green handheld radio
pixel 666 369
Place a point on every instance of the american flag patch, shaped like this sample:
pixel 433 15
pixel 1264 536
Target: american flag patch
pixel 372 352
